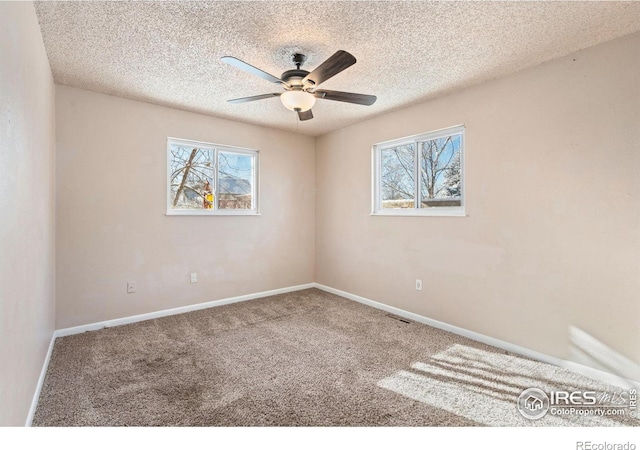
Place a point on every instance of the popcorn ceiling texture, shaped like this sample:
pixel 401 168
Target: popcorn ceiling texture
pixel 169 53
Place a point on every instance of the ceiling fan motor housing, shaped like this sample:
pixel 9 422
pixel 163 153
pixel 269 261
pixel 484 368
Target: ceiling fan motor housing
pixel 294 77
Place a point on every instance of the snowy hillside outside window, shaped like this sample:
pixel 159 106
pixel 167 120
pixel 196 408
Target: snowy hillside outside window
pixel 210 179
pixel 420 175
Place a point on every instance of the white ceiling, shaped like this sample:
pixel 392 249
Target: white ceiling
pixel 168 53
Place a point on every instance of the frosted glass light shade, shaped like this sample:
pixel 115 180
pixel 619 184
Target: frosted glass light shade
pixel 293 100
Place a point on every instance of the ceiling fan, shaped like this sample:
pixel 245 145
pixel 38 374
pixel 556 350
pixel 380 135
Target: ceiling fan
pixel 299 85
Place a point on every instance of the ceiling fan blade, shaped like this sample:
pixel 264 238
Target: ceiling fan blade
pixel 336 63
pixel 305 115
pixel 348 97
pixel 255 97
pixel 235 62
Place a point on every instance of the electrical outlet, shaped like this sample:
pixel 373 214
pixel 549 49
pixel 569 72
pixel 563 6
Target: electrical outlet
pixel 131 287
pixel 418 285
pixel 194 277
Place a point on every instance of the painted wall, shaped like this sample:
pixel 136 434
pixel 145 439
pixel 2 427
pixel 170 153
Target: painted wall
pixel 27 212
pixel 112 227
pixel 552 236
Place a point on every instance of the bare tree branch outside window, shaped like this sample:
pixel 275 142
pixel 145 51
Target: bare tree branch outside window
pixel 208 177
pixel 440 171
pixel 192 175
pixel 437 163
pixel 398 176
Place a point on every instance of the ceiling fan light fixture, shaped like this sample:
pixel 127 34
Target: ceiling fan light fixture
pixel 298 100
pixel 300 85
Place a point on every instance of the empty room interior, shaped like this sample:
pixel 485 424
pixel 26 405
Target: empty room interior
pixel 319 213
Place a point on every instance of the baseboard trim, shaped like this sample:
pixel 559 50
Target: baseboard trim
pixel 173 311
pixel 43 373
pixel 513 348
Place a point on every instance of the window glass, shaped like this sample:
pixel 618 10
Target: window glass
pixel 210 179
pixel 420 175
pixel 398 176
pixel 235 181
pixel 440 172
pixel 192 177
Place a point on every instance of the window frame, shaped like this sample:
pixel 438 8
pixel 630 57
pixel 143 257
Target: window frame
pixel 376 175
pixel 217 148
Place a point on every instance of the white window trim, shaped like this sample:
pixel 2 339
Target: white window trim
pixel 376 170
pixel 255 188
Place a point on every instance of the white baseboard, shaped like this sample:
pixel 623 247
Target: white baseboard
pixel 43 373
pixel 173 311
pixel 513 348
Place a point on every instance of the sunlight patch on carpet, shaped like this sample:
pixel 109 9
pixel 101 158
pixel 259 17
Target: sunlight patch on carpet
pixel 484 386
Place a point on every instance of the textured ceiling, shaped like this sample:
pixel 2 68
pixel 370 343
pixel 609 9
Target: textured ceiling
pixel 168 53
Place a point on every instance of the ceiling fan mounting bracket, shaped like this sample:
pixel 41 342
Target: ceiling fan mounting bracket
pixel 298 59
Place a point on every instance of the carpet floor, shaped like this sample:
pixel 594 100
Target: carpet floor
pixel 306 358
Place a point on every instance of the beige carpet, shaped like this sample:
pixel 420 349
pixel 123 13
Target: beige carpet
pixel 306 358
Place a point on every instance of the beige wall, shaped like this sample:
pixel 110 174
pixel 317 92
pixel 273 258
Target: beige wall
pixel 27 231
pixel 552 237
pixel 112 227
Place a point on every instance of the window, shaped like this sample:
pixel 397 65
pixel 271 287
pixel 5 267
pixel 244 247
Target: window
pixel 420 175
pixel 210 179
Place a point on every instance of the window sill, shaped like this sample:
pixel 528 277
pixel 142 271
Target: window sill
pixel 230 212
pixel 420 213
